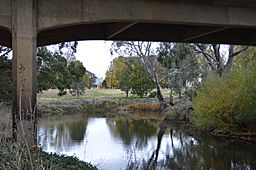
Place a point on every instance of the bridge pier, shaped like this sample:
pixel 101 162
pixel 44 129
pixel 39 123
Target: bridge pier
pixel 24 34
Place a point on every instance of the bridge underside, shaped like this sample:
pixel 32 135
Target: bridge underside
pixel 135 31
pixel 5 37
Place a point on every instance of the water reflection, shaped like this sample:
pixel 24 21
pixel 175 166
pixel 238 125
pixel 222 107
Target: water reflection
pixel 61 134
pixel 131 130
pixel 125 143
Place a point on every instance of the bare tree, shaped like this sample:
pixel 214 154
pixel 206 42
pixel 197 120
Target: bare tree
pixel 215 59
pixel 148 59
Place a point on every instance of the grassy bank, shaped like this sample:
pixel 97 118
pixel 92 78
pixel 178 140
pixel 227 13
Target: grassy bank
pixel 101 102
pixel 93 94
pixel 14 155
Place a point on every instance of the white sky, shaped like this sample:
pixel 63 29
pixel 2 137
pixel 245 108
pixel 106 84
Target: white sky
pixel 95 55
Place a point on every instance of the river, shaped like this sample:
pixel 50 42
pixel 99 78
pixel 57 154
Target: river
pixel 139 143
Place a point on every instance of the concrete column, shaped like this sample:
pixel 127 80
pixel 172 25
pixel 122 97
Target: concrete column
pixel 24 31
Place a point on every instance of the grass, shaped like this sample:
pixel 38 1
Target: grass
pixel 14 155
pixel 95 101
pixel 92 94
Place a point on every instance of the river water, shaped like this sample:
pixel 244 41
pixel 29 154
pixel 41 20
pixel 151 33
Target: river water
pixel 137 143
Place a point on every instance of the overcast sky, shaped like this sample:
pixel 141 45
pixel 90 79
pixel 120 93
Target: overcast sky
pixel 95 56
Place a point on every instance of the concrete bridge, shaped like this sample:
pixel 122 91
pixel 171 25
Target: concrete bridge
pixel 26 24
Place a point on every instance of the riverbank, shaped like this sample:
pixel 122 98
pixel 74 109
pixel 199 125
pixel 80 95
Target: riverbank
pixel 182 113
pixel 14 155
pixel 97 107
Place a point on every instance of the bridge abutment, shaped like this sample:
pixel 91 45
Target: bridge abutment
pixel 24 34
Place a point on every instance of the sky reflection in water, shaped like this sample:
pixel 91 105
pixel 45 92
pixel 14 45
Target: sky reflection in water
pixel 115 143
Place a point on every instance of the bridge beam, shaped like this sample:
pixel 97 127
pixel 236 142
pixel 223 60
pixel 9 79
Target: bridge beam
pixel 24 33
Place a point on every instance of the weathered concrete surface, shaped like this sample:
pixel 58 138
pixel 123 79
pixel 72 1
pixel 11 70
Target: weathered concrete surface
pixel 24 31
pixel 157 20
pixel 216 21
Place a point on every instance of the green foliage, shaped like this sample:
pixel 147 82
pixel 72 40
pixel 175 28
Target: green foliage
pixel 76 71
pixel 140 82
pixel 52 70
pixel 55 71
pixel 246 59
pixel 182 64
pixel 227 101
pixel 77 88
pixel 104 84
pixel 124 82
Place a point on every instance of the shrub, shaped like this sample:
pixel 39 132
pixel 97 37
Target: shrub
pixel 227 101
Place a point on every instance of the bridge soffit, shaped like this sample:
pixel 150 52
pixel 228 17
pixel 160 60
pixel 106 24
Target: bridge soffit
pixel 63 13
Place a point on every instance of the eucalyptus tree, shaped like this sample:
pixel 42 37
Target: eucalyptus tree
pixel 219 61
pixel 182 65
pixel 146 53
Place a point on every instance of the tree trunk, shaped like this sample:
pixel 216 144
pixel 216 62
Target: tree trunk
pixel 127 92
pixel 160 95
pixel 171 98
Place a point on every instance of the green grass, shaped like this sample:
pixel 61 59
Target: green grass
pixel 92 94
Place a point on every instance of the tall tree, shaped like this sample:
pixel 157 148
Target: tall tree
pixel 115 70
pixel 125 83
pixel 76 71
pixel 182 66
pixel 148 59
pixel 217 61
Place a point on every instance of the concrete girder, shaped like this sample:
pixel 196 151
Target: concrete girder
pixel 53 15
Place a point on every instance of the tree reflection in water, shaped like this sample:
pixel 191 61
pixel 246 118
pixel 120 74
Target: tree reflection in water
pixel 132 131
pixel 145 144
pixel 62 134
pixel 198 152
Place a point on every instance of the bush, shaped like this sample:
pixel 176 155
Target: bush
pixel 227 101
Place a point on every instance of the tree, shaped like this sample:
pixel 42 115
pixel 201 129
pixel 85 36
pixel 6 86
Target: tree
pixel 182 65
pixel 125 82
pixel 141 84
pixel 104 84
pixel 246 59
pixel 216 59
pixel 89 79
pixel 115 70
pixel 148 60
pixel 76 71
